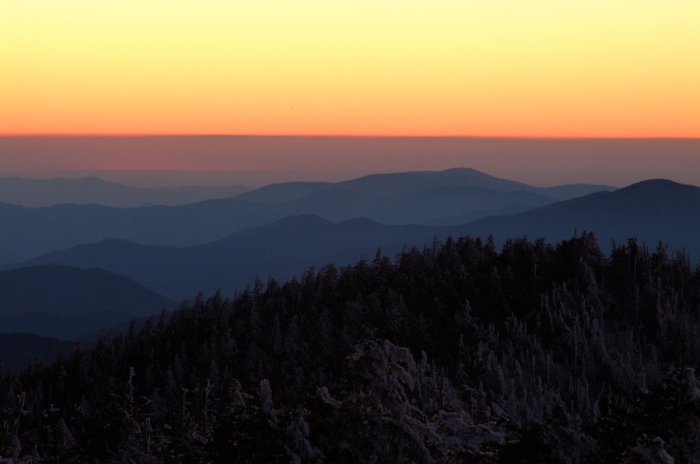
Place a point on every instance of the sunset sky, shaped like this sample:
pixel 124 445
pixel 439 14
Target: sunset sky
pixel 536 68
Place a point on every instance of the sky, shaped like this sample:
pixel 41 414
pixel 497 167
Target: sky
pixel 259 160
pixel 497 68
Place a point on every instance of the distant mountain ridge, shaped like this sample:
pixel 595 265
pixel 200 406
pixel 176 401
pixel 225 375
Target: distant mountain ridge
pixel 338 204
pixel 653 211
pixel 418 181
pixel 37 193
pixel 402 198
pixel 280 250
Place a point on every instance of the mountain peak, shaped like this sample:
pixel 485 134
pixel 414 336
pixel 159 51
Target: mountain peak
pixel 655 189
pixel 657 183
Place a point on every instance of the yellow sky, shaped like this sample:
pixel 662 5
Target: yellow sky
pixel 595 68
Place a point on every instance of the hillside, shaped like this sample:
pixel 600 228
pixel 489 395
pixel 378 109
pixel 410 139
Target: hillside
pixel 540 353
pixel 281 249
pixel 653 211
pixel 19 349
pixel 66 302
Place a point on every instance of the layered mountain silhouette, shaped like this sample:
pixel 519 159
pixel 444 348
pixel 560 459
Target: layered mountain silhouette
pixel 455 352
pixel 652 211
pixel 279 250
pixel 404 198
pixel 67 302
pixel 37 193
pixel 418 181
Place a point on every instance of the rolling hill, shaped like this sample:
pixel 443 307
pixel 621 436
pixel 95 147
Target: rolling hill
pixel 68 302
pixel 280 250
pixel 653 211
pixel 404 198
pixel 417 181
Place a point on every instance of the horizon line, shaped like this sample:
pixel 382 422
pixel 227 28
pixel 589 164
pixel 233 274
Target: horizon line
pixel 375 136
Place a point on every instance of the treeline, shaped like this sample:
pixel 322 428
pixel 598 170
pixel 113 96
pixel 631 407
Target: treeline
pixel 454 353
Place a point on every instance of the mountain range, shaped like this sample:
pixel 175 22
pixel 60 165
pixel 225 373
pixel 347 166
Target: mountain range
pixel 404 198
pixel 143 259
pixel 384 339
pixel 279 250
pixel 652 211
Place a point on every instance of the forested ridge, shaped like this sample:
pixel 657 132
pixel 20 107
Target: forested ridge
pixel 454 353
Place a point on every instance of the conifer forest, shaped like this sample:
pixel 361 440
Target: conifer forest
pixel 458 352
